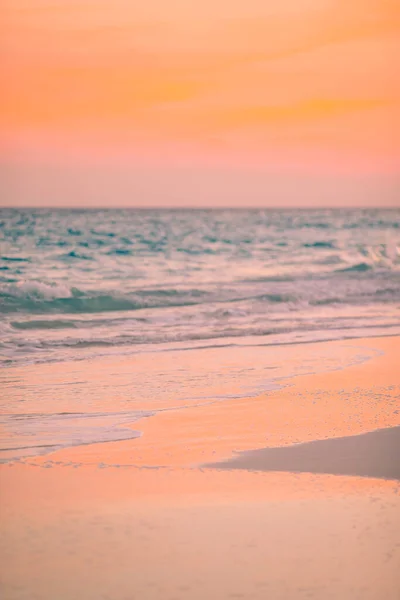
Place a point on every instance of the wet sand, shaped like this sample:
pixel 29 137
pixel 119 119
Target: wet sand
pixel 144 519
pixel 374 454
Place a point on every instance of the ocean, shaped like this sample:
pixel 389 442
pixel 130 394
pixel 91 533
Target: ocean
pixel 109 316
pixel 121 280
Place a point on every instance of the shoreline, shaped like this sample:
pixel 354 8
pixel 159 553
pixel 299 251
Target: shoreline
pixel 145 518
pixel 179 346
pixel 333 356
pixel 334 403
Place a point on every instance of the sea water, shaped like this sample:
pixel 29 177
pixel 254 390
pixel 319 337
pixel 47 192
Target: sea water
pixel 122 279
pixel 212 305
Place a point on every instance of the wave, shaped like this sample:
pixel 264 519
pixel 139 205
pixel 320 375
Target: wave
pixel 64 430
pixel 358 268
pixel 37 297
pixel 73 304
pixel 320 245
pixel 41 298
pixel 36 289
pixel 47 351
pixel 120 252
pixel 75 255
pixel 109 303
pixel 273 298
pixel 53 324
pixel 15 259
pixel 77 323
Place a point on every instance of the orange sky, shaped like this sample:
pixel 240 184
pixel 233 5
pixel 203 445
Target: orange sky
pixel 297 88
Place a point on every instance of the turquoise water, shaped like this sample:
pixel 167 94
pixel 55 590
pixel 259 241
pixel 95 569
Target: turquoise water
pixel 107 281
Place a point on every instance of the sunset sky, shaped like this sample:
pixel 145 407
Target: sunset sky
pixel 218 102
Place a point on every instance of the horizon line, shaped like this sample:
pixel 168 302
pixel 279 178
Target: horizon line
pixel 177 207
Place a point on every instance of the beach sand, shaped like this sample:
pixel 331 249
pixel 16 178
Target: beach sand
pixel 284 495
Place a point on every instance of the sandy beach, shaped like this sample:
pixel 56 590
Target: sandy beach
pixel 282 495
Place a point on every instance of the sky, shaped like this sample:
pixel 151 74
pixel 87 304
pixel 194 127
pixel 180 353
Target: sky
pixel 211 103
